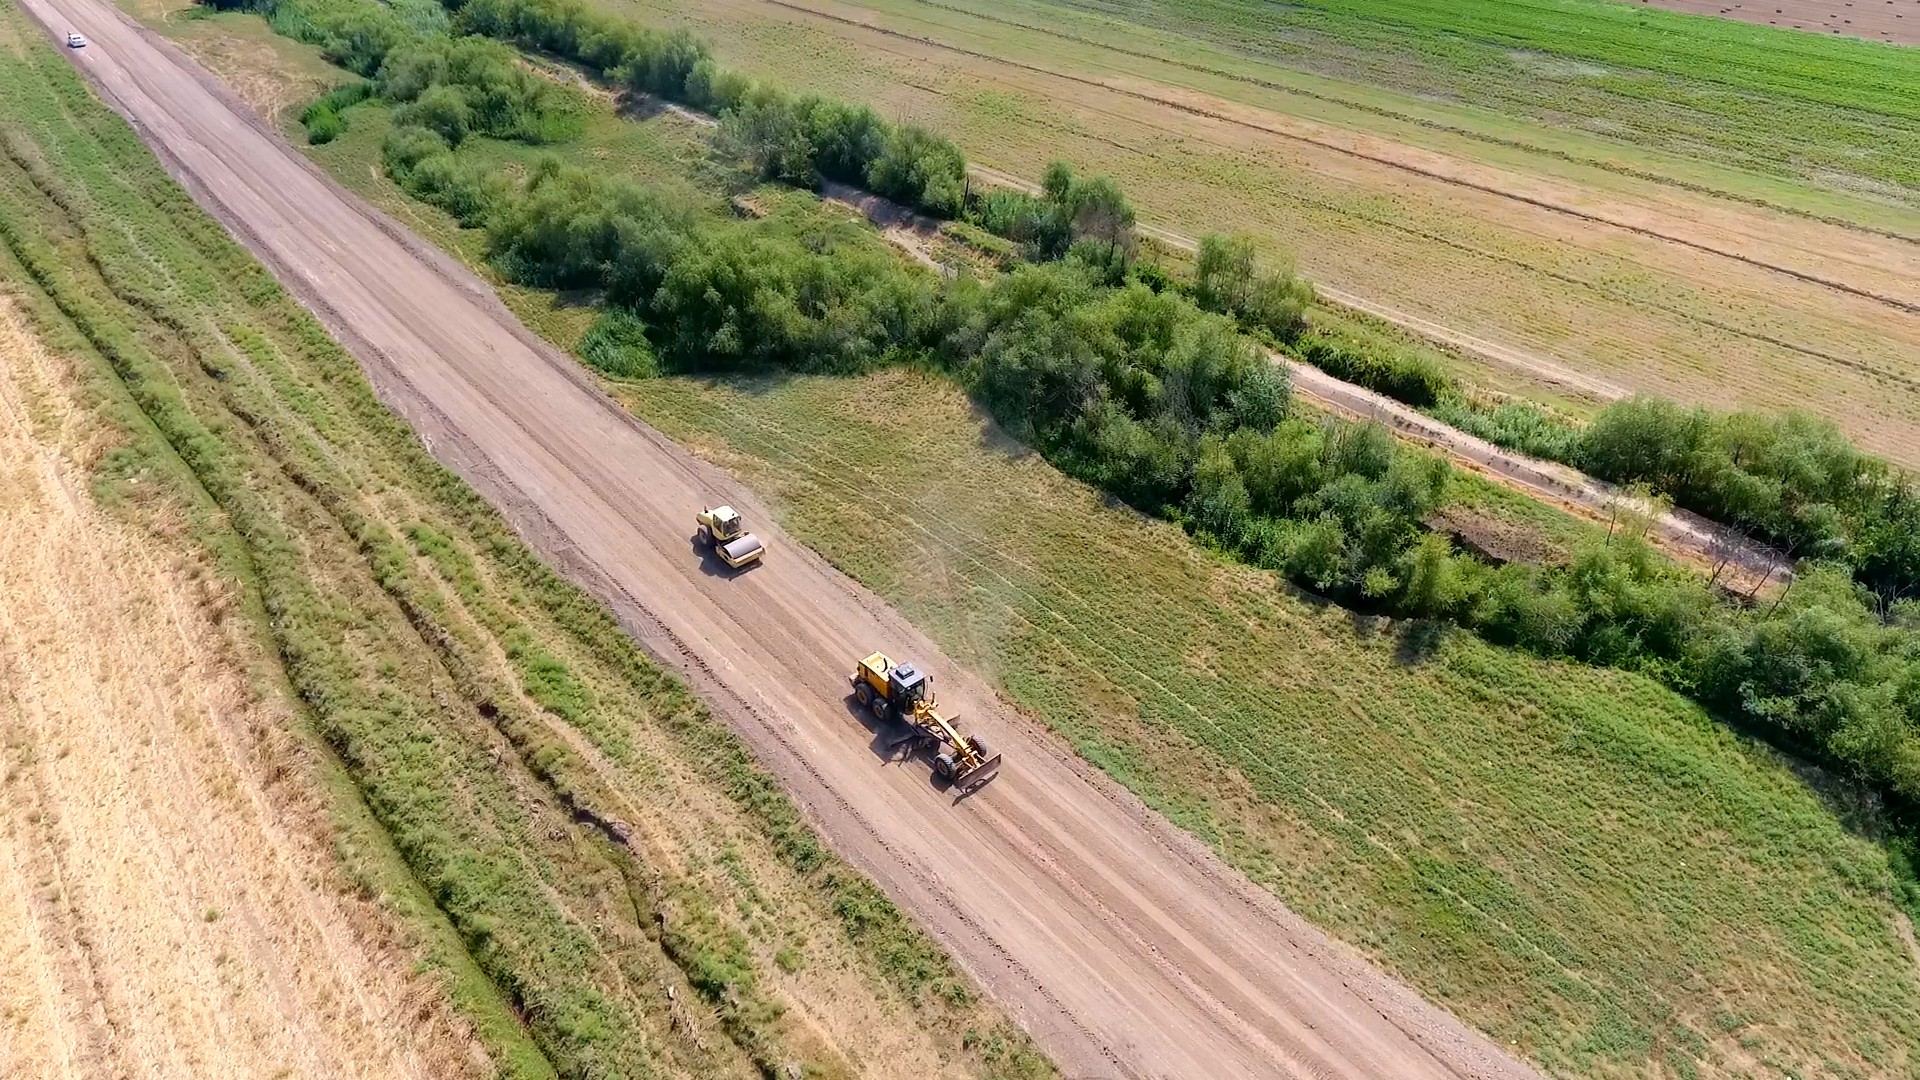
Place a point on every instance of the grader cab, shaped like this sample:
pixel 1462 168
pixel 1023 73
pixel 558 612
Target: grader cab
pixel 904 693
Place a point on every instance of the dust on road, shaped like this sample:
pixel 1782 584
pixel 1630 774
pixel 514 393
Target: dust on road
pixel 1119 942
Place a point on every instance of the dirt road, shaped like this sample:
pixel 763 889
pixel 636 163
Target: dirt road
pixel 1118 941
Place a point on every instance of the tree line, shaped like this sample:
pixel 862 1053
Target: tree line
pixel 1172 408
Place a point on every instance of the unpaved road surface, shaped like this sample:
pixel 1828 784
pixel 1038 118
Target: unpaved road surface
pixel 1126 948
pixel 169 904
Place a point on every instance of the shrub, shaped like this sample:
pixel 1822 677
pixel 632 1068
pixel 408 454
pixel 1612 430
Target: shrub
pixel 1396 373
pixel 617 346
pixel 407 146
pixel 1228 279
pixel 440 109
pixel 1514 425
pixel 920 169
pixel 460 187
pixel 323 119
pixel 770 132
pixel 323 125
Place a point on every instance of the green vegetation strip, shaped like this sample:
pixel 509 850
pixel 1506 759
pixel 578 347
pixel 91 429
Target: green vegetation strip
pixel 1779 101
pixel 1124 382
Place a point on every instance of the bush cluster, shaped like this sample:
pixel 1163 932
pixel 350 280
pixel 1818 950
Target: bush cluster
pixel 322 118
pixel 1400 374
pixel 1515 425
pixel 1792 479
pixel 455 86
pixel 468 85
pixel 1068 212
pixel 1269 300
pixel 795 139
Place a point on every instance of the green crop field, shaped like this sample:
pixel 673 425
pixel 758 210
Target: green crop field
pixel 485 722
pixel 1786 102
pixel 1576 860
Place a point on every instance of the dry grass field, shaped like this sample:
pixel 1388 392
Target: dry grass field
pixel 1712 264
pixel 587 869
pixel 170 901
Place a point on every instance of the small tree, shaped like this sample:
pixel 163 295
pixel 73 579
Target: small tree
pixel 1228 279
pixel 769 133
pixel 441 109
pixel 1100 212
pixel 920 169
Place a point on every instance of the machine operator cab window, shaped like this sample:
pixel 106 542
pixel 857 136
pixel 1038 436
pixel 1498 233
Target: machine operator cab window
pixel 906 685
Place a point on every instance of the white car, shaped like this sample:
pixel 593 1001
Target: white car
pixel 75 41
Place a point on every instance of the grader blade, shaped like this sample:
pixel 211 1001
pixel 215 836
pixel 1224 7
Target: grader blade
pixel 970 777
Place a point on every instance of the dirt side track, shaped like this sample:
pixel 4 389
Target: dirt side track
pixel 1125 948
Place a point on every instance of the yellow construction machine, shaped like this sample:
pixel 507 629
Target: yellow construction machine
pixel 722 530
pixel 905 693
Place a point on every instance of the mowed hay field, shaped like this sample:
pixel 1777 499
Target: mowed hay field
pixel 170 899
pixel 1742 241
pixel 1575 860
pixel 586 871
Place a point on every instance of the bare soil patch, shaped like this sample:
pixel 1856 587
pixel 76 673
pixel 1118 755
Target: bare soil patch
pixel 1896 21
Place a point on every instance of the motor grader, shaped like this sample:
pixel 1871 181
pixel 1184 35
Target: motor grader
pixel 905 693
pixel 722 529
